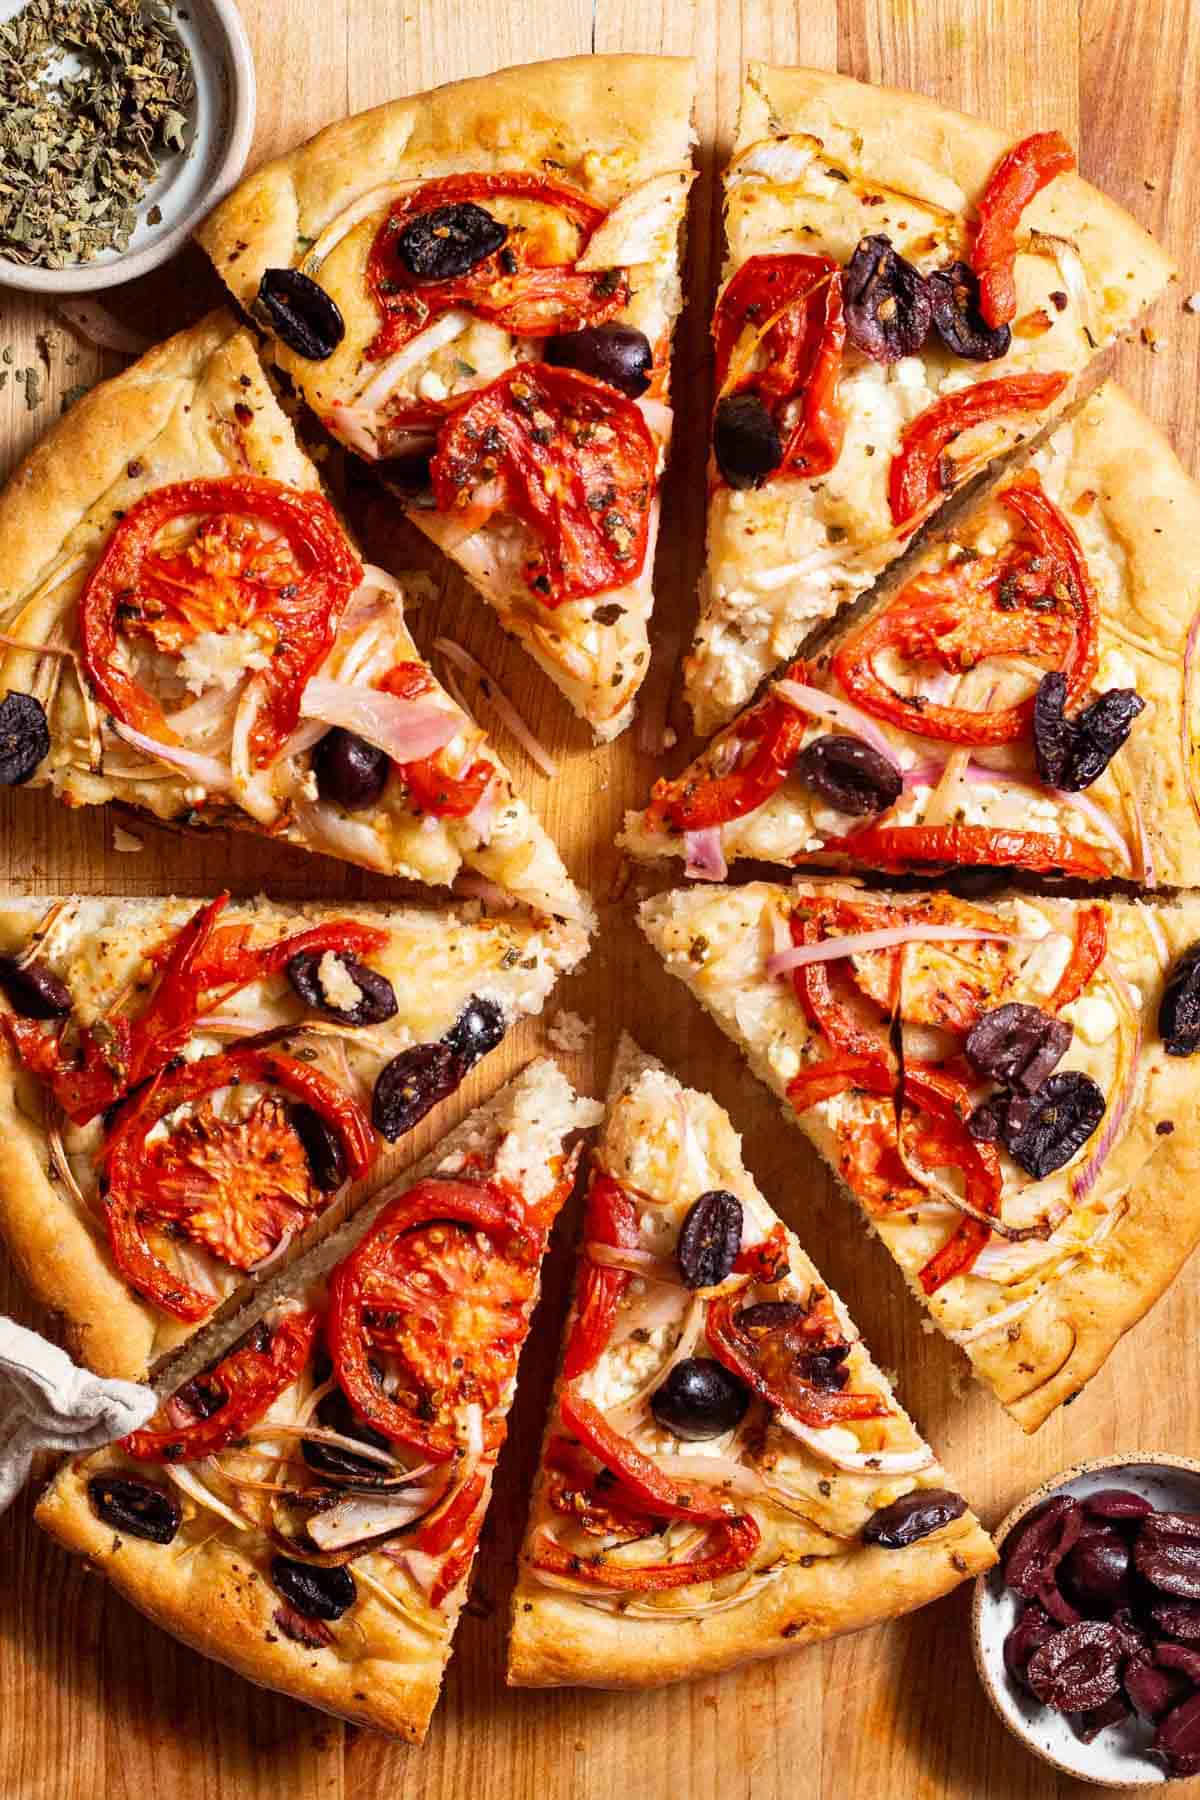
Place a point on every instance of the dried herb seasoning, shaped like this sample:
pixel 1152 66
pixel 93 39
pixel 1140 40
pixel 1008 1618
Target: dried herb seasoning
pixel 78 150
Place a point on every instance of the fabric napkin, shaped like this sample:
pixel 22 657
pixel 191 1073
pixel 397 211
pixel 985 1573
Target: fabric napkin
pixel 48 1403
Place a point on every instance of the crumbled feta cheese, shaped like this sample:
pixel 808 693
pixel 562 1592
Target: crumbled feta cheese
pixel 125 841
pixel 431 386
pixel 341 991
pixel 784 1060
pixel 221 658
pixel 569 1033
pixel 195 795
pixel 1093 1017
pixel 1115 671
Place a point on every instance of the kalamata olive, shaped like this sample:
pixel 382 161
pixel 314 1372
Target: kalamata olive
pixel 201 1396
pixel 313 1589
pixel 376 996
pixel 321 1145
pixel 912 1517
pixel 771 1315
pixel 24 737
pixel 1033 1549
pixel 1114 1504
pixel 138 1508
pixel 349 771
pixel 301 313
pixel 33 990
pixel 1073 753
pixel 1177 1740
pixel 852 776
pixel 1089 1725
pixel 410 1084
pixel 618 354
pixel 888 310
pixel 1080 1666
pixel 954 298
pixel 1153 1691
pixel 1033 1629
pixel 709 1239
pixel 1095 1573
pixel 1167 1553
pixel 1055 1602
pixel 1062 1117
pixel 699 1399
pixel 312 1633
pixel 1179 1008
pixel 1018 1044
pixel 746 440
pixel 478 1028
pixel 334 1412
pixel 449 241
pixel 1183 1658
pixel 1178 1619
pixel 406 474
pixel 825 1368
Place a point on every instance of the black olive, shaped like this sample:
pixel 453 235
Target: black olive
pixel 852 776
pixel 137 1508
pixel 1072 753
pixel 410 1084
pixel 888 310
pixel 33 990
pixel 314 1589
pixel 376 995
pixel 201 1397
pixel 954 295
pixel 771 1315
pixel 912 1517
pixel 301 313
pixel 709 1239
pixel 349 771
pixel 618 354
pixel 335 1412
pixel 448 241
pixel 746 440
pixel 408 474
pixel 24 737
pixel 1051 729
pixel 825 1368
pixel 1179 1008
pixel 1059 1120
pixel 1017 1044
pixel 699 1399
pixel 321 1145
pixel 478 1028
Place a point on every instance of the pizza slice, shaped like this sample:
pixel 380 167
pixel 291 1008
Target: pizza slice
pixel 185 1089
pixel 1025 697
pixel 726 1474
pixel 186 626
pixel 908 294
pixel 475 290
pixel 306 1507
pixel 1003 1086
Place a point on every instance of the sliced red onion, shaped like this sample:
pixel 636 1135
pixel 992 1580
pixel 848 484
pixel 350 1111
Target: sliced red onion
pixel 859 943
pixel 99 327
pixel 705 854
pixel 1145 854
pixel 1156 934
pixel 482 815
pixel 1005 1316
pixel 1084 1179
pixel 1186 746
pixel 380 386
pixel 323 827
pixel 354 425
pixel 928 774
pixel 824 1443
pixel 840 712
pixel 495 693
pixel 207 771
pixel 215 707
pixel 407 730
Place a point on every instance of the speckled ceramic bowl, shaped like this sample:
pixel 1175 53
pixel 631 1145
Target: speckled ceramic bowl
pixel 1117 1757
pixel 190 185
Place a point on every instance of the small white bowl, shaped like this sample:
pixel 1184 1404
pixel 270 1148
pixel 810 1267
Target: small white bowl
pixel 1117 1757
pixel 221 127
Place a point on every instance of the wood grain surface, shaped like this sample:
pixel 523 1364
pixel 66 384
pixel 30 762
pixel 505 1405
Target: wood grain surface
pixel 98 1703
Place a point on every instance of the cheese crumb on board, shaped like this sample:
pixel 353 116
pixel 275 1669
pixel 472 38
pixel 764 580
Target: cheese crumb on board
pixel 569 1033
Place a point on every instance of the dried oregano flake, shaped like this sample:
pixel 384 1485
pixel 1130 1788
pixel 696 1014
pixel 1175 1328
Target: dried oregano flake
pixel 77 153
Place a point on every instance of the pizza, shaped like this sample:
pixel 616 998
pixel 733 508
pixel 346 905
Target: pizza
pixel 908 294
pixel 1002 1085
pixel 726 1474
pixel 306 1506
pixel 186 626
pixel 1023 697
pixel 185 1089
pixel 474 289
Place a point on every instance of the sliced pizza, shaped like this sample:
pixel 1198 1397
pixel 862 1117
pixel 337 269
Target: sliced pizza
pixel 1004 1087
pixel 475 290
pixel 184 1089
pixel 306 1508
pixel 1025 698
pixel 908 294
pixel 186 626
pixel 726 1474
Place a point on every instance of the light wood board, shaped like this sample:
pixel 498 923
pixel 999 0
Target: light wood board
pixel 98 1703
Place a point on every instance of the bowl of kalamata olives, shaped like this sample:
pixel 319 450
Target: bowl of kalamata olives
pixel 1087 1633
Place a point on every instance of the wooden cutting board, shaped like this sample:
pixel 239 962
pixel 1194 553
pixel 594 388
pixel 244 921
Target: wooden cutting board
pixel 96 1702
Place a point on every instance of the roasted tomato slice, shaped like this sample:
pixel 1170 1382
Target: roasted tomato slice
pixel 1021 173
pixel 226 1400
pixel 654 1491
pixel 779 331
pixel 1091 943
pixel 263 556
pixel 767 1347
pixel 902 847
pixel 572 458
pixel 611 1218
pixel 921 471
pixel 1034 601
pixel 762 751
pixel 732 1544
pixel 432 788
pixel 528 286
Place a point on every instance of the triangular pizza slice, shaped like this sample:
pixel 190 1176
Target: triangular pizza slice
pixel 186 1087
pixel 908 294
pixel 475 290
pixel 726 1473
pixel 1004 1086
pixel 186 626
pixel 306 1505
pixel 1024 696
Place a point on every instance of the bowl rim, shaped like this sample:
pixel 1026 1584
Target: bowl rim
pixel 87 278
pixel 1146 1459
